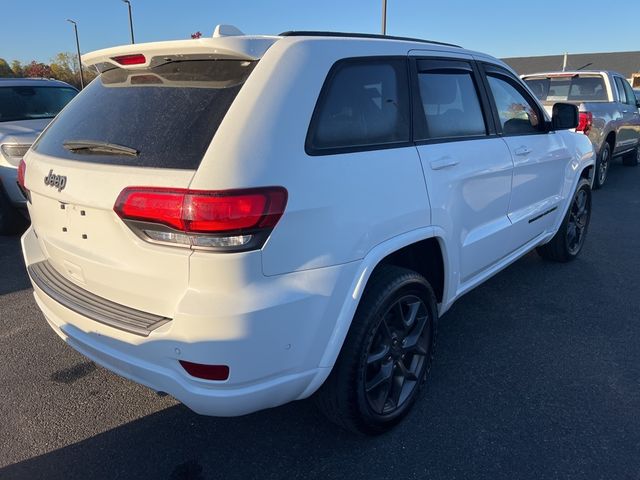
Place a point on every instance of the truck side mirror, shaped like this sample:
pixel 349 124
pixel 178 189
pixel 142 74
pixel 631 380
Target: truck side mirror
pixel 564 116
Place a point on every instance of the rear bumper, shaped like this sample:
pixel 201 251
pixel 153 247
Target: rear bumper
pixel 273 348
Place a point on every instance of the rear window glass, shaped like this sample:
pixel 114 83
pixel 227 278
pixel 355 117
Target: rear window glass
pixel 168 114
pixel 29 103
pixel 364 103
pixel 583 88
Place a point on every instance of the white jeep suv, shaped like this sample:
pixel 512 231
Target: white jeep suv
pixel 243 221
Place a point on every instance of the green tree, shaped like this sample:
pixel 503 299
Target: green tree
pixel 5 69
pixel 64 67
pixel 18 69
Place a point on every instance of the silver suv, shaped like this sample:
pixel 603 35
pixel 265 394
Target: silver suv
pixel 27 105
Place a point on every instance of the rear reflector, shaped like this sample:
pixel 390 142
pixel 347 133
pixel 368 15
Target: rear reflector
pixel 206 372
pixel 134 59
pixel 230 220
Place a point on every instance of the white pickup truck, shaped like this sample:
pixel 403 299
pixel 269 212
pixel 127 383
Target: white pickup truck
pixel 608 108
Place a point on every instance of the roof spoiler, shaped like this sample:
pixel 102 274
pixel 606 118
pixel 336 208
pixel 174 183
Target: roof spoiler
pixel 227 42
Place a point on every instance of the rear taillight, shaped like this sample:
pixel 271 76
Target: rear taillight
pixel 585 122
pixel 133 59
pixel 230 220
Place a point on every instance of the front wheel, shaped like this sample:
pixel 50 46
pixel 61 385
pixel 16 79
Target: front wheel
pixel 386 356
pixel 569 239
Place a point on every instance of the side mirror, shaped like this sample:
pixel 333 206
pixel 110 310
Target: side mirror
pixel 564 116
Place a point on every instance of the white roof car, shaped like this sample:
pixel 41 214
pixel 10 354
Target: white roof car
pixel 244 221
pixel 27 105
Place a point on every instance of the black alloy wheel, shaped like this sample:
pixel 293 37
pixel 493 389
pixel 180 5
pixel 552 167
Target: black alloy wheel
pixel 398 355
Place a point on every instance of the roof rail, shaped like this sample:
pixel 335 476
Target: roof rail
pixel 311 33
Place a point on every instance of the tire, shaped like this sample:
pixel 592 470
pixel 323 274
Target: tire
pixel 632 158
pixel 378 363
pixel 565 245
pixel 11 222
pixel 603 164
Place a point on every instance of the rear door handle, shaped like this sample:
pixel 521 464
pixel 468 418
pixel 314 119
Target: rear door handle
pixel 443 162
pixel 522 151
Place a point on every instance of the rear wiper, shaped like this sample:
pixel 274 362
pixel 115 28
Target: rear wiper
pixel 94 146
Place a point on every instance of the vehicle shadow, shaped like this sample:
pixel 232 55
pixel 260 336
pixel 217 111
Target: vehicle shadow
pixel 13 274
pixel 177 444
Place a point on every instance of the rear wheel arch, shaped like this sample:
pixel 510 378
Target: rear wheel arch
pixel 424 241
pixel 425 257
pixel 611 140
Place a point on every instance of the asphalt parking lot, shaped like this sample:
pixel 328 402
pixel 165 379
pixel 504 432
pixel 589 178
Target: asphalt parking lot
pixel 537 375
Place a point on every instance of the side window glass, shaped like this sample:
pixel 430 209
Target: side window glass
pixel 517 115
pixel 450 103
pixel 631 96
pixel 621 93
pixel 365 103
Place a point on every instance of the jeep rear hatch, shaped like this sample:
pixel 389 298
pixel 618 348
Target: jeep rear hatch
pixel 147 126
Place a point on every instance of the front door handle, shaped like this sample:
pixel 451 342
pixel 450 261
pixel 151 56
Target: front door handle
pixel 524 150
pixel 443 162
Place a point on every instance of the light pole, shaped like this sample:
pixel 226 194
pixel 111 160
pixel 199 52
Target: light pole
pixel 75 28
pixel 384 17
pixel 130 20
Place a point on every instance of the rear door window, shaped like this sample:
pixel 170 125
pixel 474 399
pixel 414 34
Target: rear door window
pixel 168 114
pixel 364 104
pixel 622 96
pixel 449 99
pixel 630 94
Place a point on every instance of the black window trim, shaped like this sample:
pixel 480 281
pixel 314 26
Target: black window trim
pixel 316 152
pixel 492 69
pixel 418 109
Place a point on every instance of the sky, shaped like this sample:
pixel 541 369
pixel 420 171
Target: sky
pixel 503 28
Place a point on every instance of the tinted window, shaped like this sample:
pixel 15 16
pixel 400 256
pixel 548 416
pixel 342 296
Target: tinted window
pixel 622 95
pixel 517 115
pixel 450 104
pixel 363 104
pixel 168 113
pixel 589 88
pixel 28 103
pixel 631 96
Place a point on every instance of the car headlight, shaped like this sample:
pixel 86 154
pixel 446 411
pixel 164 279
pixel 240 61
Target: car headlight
pixel 13 152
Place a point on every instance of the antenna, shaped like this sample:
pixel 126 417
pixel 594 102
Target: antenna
pixel 384 17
